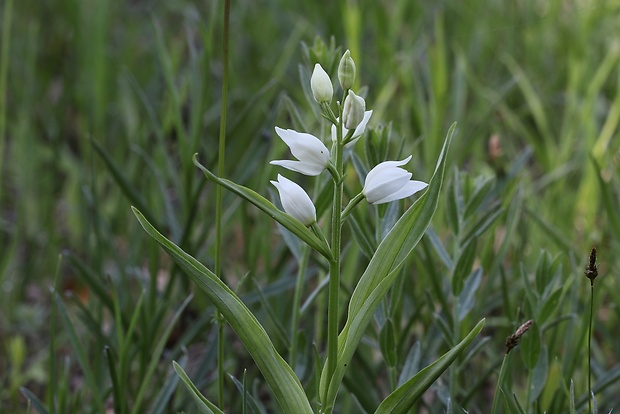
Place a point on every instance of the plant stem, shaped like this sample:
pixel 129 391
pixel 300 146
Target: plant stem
pixel 4 70
pixel 218 204
pixel 352 203
pixel 500 380
pixel 334 264
pixel 590 348
pixel 456 327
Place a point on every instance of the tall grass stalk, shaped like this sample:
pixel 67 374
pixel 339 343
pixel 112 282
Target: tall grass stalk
pixel 511 342
pixel 218 203
pixel 591 273
pixel 500 380
pixel 590 395
pixel 4 71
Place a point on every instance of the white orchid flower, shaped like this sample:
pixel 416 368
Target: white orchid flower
pixel 295 201
pixel 387 182
pixel 357 134
pixel 312 154
pixel 321 85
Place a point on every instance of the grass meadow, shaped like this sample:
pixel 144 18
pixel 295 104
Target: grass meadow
pixel 510 110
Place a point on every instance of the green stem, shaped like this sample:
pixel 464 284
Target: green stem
pixel 334 264
pixel 456 327
pixel 590 348
pixel 4 70
pixel 500 380
pixel 299 287
pixel 354 202
pixel 218 203
pixel 51 397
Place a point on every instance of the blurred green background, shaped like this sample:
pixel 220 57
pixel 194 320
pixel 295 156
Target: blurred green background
pixel 105 102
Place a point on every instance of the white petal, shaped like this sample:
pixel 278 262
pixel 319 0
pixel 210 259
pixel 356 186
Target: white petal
pixel 390 181
pixel 386 165
pixel 357 134
pixel 305 147
pixel 362 125
pixel 409 189
pixel 300 167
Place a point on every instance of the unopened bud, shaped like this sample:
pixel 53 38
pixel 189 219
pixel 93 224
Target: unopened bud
pixel 353 111
pixel 321 85
pixel 346 71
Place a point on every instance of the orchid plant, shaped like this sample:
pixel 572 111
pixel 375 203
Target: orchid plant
pixel 386 182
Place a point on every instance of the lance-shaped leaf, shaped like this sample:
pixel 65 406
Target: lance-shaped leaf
pixel 291 224
pixel 204 405
pixel 403 398
pixel 381 273
pixel 278 374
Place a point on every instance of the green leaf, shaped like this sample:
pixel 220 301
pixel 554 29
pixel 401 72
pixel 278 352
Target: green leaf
pixel 381 273
pixel 267 206
pixel 539 375
pixel 454 203
pixel 466 299
pixel 572 409
pixel 609 201
pixel 162 403
pixel 518 404
pixel 549 306
pixel 405 396
pixel 531 346
pixel 482 190
pixel 387 343
pixel 205 406
pixel 128 189
pixel 463 266
pixel 78 348
pixel 114 379
pixel 155 355
pixel 278 374
pixel 33 400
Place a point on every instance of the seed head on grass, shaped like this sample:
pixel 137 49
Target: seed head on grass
pixel 591 273
pixel 513 340
pixel 591 269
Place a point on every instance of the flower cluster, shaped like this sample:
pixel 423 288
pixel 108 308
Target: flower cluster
pixel 384 183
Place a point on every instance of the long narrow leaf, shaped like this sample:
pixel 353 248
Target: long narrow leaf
pixel 79 349
pixel 155 357
pixel 205 406
pixel 132 193
pixel 380 274
pixel 262 203
pixel 278 374
pixel 403 398
pixel 33 400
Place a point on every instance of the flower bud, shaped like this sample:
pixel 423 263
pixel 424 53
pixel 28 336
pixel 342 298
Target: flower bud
pixel 295 200
pixel 353 111
pixel 321 85
pixel 346 71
